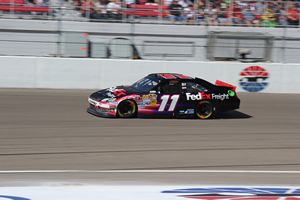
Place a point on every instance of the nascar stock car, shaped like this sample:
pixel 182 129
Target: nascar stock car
pixel 165 95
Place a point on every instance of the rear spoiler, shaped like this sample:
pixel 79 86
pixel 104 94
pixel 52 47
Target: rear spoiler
pixel 222 83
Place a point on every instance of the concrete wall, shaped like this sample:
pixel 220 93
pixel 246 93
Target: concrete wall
pixel 39 72
pixel 41 38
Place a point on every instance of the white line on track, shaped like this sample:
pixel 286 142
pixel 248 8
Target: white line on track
pixel 150 171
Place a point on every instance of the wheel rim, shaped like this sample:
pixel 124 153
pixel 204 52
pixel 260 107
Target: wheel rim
pixel 204 110
pixel 127 109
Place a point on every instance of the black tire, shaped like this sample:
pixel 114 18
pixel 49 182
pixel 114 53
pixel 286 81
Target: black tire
pixel 205 110
pixel 127 109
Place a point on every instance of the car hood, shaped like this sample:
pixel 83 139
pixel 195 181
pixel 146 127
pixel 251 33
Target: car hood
pixel 113 92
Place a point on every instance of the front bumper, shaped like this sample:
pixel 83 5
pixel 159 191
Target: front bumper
pixel 101 109
pixel 101 112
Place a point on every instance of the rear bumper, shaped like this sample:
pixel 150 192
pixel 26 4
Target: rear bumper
pixel 228 106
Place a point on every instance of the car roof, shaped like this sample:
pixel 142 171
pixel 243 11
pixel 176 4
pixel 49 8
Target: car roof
pixel 171 76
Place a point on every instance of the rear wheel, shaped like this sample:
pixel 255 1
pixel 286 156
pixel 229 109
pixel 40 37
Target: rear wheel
pixel 205 110
pixel 127 109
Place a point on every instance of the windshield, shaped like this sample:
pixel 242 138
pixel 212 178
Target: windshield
pixel 145 84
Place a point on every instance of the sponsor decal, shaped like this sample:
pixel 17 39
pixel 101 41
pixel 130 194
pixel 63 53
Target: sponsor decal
pixel 119 92
pixel 12 198
pixel 221 97
pixel 108 100
pixel 199 96
pixel 193 97
pixel 203 96
pixel 149 99
pixel 238 193
pixel 149 96
pixel 187 111
pixel 231 93
pixel 254 79
pixel 115 92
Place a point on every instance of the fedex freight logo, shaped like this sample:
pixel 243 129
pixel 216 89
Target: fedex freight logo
pixel 238 193
pixel 202 96
pixel 254 79
pixel 199 96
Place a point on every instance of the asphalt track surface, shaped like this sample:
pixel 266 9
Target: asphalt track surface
pixel 50 130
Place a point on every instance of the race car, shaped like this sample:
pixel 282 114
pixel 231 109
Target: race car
pixel 165 95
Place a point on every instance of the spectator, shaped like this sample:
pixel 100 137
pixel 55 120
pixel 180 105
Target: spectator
pixel 100 10
pixel 200 19
pixel 211 14
pixel 87 8
pixel 260 7
pixel 189 13
pixel 176 11
pixel 223 19
pixel 185 3
pixel 282 20
pixel 210 10
pixel 249 18
pixel 167 2
pixel 269 18
pixel 281 15
pixel 237 15
pixel 114 9
pixel 213 20
pixel 200 4
pixel 77 4
pixel 39 3
pixel 293 16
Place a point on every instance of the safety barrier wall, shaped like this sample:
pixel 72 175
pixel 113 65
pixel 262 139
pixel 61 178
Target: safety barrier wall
pixel 75 73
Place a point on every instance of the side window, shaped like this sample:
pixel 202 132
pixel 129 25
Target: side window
pixel 192 87
pixel 171 87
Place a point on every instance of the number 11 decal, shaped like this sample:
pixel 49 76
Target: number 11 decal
pixel 164 101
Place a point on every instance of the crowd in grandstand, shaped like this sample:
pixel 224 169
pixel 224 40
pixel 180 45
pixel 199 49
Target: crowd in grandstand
pixel 208 12
pixel 211 12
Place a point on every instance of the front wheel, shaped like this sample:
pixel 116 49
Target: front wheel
pixel 205 110
pixel 127 109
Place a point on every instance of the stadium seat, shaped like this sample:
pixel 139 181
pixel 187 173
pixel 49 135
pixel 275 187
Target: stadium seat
pixel 19 6
pixel 14 2
pixel 39 9
pixel 147 10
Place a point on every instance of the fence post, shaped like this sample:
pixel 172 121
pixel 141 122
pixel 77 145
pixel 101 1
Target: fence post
pixel 59 30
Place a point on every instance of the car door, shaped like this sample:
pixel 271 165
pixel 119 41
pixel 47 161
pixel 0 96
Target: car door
pixel 192 93
pixel 170 92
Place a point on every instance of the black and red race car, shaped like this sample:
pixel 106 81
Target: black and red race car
pixel 165 95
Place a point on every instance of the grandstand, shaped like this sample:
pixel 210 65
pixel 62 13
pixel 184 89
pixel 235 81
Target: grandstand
pixel 205 12
pixel 227 30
